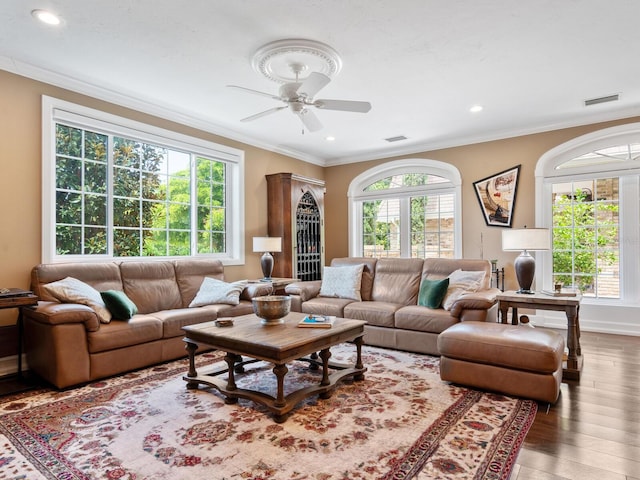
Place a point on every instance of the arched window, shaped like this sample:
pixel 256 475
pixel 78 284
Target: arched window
pixel 588 194
pixel 406 208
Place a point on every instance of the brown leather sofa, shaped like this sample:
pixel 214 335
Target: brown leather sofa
pixel 67 345
pixel 389 292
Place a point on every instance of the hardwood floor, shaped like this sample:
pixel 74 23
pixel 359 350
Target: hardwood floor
pixel 593 431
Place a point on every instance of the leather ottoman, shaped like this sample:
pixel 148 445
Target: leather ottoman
pixel 509 359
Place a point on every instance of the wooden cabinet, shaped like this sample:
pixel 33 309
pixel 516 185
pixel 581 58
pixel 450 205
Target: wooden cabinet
pixel 296 213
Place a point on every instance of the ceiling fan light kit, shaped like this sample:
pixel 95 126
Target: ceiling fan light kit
pixel 304 67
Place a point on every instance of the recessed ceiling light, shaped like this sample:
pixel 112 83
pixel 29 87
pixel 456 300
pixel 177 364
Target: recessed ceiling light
pixel 330 138
pixel 46 17
pixel 476 109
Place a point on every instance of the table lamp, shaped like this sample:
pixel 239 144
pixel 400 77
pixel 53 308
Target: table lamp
pixel 267 245
pixel 526 240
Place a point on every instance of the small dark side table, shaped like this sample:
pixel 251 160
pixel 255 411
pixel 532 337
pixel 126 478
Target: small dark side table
pixel 18 298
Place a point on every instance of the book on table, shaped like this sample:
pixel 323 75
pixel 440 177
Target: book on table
pixel 317 321
pixel 561 293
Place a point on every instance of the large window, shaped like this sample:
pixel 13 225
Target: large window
pixel 115 188
pixel 588 193
pixel 406 209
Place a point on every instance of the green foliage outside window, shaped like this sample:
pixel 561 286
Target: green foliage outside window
pixel 151 205
pixel 586 240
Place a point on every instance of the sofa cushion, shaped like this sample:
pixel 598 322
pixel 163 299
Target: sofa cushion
pixel 461 282
pixel 72 290
pixel 140 329
pixel 191 271
pixel 342 282
pixel 509 346
pixel 174 320
pixel 101 276
pixel 326 306
pixel 397 280
pixel 438 268
pixel 120 306
pixel 151 285
pixel 423 319
pixel 216 291
pixel 432 292
pixel 375 313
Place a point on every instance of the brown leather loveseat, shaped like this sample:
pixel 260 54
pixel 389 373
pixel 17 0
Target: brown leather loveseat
pixel 389 292
pixel 67 344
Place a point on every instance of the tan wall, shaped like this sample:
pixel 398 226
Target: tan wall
pixel 474 162
pixel 20 180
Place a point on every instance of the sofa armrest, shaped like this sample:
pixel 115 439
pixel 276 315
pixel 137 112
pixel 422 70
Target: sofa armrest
pixel 305 290
pixel 253 290
pixel 482 300
pixel 54 313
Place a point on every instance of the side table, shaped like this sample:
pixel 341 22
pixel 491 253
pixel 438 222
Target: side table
pixel 540 301
pixel 278 284
pixel 18 298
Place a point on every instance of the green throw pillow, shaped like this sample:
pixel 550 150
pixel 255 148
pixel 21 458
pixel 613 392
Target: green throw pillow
pixel 120 306
pixel 432 292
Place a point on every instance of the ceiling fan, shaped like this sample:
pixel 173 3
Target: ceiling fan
pixel 298 97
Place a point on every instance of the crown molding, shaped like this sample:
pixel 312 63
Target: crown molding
pixel 127 100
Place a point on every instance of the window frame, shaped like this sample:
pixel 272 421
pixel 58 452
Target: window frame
pixel 547 174
pixel 357 195
pixel 60 111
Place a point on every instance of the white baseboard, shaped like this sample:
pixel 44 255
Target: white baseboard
pixel 9 365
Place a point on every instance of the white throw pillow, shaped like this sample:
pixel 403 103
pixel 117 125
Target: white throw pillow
pixel 214 291
pixel 72 290
pixel 461 282
pixel 342 282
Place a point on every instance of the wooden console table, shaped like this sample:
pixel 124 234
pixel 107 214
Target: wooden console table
pixel 539 301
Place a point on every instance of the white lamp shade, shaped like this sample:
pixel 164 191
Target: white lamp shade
pixel 267 244
pixel 531 239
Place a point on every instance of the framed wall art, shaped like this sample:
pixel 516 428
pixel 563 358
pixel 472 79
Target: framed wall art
pixel 497 196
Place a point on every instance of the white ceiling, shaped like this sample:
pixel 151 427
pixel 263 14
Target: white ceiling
pixel 421 63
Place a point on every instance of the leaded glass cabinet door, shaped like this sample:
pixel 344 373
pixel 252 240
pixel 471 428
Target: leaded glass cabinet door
pixel 296 213
pixel 308 264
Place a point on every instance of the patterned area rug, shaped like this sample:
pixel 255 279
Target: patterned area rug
pixel 401 422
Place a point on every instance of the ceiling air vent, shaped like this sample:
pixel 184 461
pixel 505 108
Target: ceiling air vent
pixel 396 139
pixel 596 101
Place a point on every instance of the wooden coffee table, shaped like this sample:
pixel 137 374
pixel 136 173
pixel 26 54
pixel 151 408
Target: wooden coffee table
pixel 276 344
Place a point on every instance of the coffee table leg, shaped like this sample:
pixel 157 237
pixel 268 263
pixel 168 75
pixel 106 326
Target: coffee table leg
pixel 191 351
pixel 231 359
pixel 313 365
pixel 359 365
pixel 280 371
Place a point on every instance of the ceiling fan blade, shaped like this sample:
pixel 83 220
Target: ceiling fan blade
pixel 256 92
pixel 313 84
pixel 343 105
pixel 309 120
pixel 263 114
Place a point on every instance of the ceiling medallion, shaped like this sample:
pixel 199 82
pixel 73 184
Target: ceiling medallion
pixel 286 61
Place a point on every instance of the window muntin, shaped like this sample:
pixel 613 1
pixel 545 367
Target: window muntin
pixel 136 192
pixel 611 156
pixel 585 229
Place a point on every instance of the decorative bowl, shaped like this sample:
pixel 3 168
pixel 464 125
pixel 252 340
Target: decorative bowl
pixel 272 308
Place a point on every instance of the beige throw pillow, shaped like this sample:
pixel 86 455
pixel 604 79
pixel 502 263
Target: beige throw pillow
pixel 214 291
pixel 461 283
pixel 72 290
pixel 342 282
